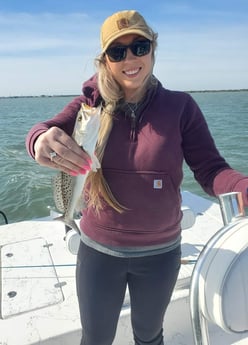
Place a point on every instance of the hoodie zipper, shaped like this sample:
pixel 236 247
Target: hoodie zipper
pixel 133 127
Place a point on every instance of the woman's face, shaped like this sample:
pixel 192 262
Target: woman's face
pixel 131 72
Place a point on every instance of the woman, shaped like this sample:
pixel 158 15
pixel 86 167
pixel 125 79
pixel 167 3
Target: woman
pixel 131 226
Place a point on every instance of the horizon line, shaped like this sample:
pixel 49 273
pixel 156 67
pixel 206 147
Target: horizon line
pixel 76 95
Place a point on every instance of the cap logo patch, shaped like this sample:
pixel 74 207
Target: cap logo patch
pixel 122 23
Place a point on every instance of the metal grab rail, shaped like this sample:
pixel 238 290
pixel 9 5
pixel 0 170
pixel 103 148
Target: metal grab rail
pixel 232 210
pixel 231 206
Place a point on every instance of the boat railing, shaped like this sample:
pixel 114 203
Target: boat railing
pixel 4 217
pixel 218 290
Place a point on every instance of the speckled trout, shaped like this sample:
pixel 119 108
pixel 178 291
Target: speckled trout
pixel 67 189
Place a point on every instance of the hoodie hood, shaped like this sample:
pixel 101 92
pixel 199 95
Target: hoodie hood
pixel 91 91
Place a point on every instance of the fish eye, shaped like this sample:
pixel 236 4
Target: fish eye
pixel 79 118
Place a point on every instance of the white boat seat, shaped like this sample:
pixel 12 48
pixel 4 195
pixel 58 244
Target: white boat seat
pixel 188 219
pixel 223 282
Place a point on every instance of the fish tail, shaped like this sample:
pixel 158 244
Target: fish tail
pixel 70 222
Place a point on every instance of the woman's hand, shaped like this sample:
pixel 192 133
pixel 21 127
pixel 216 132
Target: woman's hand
pixel 56 149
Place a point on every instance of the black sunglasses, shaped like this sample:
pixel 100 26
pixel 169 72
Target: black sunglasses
pixel 119 52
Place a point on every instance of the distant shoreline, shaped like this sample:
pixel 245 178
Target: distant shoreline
pixel 190 91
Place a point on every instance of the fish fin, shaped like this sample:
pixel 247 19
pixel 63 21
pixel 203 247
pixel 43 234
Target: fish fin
pixel 81 204
pixel 91 110
pixel 70 222
pixel 95 163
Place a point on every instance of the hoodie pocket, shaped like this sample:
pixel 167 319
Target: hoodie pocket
pixel 150 197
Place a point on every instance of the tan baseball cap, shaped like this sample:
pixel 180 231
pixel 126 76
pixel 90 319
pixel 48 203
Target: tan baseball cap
pixel 123 23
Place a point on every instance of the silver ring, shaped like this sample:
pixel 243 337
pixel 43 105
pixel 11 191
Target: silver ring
pixel 52 155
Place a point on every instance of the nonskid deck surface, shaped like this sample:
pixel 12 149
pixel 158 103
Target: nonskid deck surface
pixel 49 292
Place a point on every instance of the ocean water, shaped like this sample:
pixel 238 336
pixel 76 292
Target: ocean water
pixel 25 188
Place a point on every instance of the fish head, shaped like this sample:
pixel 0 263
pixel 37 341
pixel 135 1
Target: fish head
pixel 87 127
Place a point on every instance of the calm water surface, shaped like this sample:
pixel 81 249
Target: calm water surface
pixel 25 188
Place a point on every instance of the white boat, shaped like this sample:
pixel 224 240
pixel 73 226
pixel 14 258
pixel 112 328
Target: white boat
pixel 209 303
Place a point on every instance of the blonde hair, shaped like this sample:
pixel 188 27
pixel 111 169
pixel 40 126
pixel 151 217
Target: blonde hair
pixel 98 190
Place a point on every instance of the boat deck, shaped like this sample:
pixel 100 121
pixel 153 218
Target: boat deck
pixel 41 302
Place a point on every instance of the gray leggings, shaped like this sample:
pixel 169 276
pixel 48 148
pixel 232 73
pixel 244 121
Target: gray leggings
pixel 101 285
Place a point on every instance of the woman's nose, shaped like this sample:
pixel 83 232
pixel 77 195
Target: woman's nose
pixel 130 55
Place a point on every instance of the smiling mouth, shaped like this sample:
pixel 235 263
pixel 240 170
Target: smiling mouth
pixel 132 72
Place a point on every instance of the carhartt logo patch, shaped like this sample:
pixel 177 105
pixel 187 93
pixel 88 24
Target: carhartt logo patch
pixel 157 184
pixel 122 23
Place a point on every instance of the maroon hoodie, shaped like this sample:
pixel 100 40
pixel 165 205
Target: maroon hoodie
pixel 143 165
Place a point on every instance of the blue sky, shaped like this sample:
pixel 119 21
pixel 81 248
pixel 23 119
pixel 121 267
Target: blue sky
pixel 49 46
